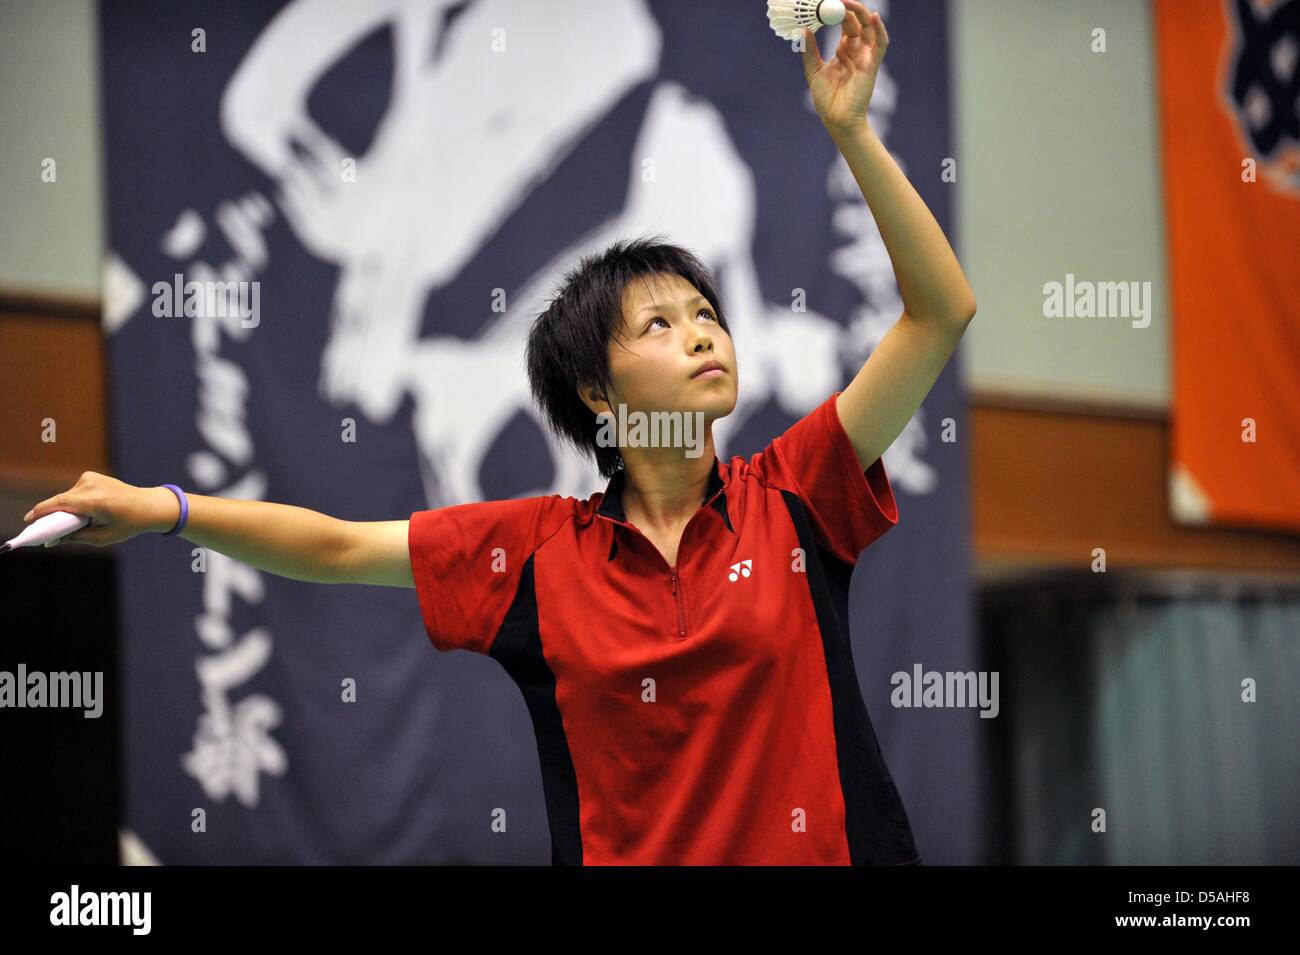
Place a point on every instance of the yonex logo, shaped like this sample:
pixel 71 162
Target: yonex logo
pixel 742 569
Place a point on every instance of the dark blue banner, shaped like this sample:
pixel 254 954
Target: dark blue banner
pixel 375 199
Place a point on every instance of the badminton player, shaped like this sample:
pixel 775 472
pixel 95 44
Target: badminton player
pixel 681 639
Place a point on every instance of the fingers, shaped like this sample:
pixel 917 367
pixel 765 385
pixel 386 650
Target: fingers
pixel 81 499
pixel 856 21
pixel 65 539
pixel 812 57
pixel 94 534
pixel 58 502
pixel 865 25
pixel 69 500
pixel 882 35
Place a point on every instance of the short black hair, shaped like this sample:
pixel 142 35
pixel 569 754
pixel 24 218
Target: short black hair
pixel 568 343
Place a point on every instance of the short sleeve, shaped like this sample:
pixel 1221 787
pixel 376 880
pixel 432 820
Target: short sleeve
pixel 849 508
pixel 467 561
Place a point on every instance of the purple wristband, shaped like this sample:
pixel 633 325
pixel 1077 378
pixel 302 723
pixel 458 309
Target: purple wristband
pixel 185 510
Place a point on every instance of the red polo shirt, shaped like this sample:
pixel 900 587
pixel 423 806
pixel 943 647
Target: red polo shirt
pixel 707 713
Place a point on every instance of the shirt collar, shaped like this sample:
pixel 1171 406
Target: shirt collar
pixel 611 504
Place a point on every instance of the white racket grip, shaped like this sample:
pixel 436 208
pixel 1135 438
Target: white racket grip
pixel 50 527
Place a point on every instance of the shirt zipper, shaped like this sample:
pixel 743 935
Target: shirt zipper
pixel 673 579
pixel 677 597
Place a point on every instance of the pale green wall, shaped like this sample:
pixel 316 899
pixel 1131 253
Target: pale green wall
pixel 1056 150
pixel 51 234
pixel 1058 172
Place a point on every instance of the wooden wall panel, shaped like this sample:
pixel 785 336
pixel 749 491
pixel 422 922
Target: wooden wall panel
pixel 1053 481
pixel 1050 480
pixel 51 366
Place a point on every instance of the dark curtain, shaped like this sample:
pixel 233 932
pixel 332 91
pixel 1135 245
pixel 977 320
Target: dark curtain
pixel 1131 695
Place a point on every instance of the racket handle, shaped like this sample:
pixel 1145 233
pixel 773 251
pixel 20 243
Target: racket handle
pixel 50 527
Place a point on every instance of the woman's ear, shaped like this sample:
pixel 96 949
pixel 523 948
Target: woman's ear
pixel 593 397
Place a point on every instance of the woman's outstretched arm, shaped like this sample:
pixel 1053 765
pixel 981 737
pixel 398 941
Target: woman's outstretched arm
pixel 938 302
pixel 282 539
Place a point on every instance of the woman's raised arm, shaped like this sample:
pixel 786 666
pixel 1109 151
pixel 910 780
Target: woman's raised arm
pixel 938 302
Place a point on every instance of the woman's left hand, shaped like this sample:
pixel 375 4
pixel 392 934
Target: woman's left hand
pixel 841 88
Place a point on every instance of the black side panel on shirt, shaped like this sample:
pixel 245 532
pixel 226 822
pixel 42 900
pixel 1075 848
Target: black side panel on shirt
pixel 518 648
pixel 878 830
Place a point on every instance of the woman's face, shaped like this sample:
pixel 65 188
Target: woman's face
pixel 669 332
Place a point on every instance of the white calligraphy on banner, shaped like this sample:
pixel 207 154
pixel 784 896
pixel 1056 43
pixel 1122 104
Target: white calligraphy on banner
pixel 468 133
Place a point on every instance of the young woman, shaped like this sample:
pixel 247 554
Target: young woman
pixel 681 639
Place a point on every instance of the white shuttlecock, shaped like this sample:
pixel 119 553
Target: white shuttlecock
pixel 789 17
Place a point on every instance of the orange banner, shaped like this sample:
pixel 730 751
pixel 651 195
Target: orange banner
pixel 1230 124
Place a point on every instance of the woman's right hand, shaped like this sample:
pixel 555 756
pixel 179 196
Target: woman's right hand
pixel 118 511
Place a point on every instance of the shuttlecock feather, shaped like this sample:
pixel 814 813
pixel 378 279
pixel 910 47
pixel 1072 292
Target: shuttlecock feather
pixel 789 17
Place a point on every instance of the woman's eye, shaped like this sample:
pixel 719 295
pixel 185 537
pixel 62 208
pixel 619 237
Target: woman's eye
pixel 704 311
